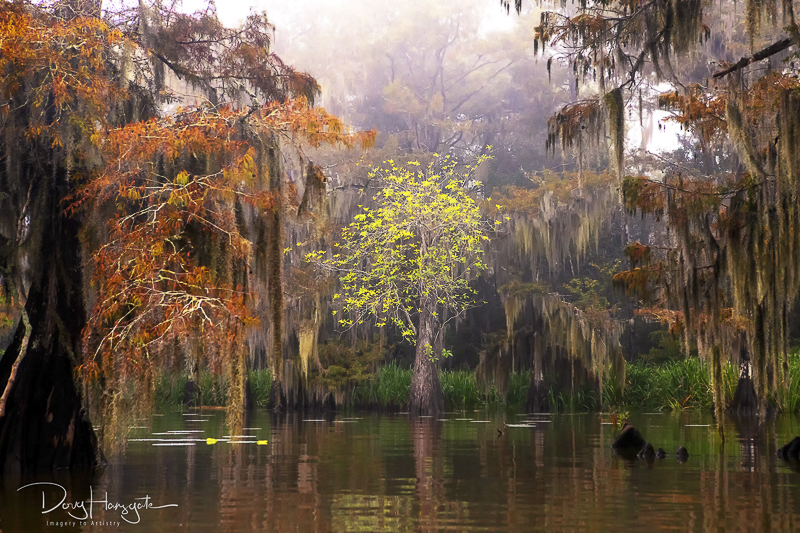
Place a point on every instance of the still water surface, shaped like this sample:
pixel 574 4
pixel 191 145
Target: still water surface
pixel 368 472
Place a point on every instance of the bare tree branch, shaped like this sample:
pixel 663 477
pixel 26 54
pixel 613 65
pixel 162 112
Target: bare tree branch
pixel 770 50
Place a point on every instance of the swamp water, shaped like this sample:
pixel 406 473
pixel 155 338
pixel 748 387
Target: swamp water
pixel 368 472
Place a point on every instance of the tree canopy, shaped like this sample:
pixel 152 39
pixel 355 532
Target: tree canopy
pixel 166 205
pixel 410 260
pixel 728 267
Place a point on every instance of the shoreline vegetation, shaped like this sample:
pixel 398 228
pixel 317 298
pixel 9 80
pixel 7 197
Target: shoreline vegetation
pixel 667 386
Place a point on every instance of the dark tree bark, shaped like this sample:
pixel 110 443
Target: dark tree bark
pixel 537 390
pixel 43 425
pixel 249 400
pixel 536 400
pixel 191 394
pixel 744 398
pixel 426 396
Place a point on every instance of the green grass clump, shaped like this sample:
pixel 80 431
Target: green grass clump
pixel 791 403
pixel 670 386
pixel 583 400
pixel 388 388
pixel 171 389
pixel 213 389
pixel 788 400
pixel 261 385
pixel 518 389
pixel 460 389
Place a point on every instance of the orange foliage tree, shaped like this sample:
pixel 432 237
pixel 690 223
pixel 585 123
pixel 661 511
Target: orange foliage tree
pixel 174 261
pixel 57 93
pixel 163 206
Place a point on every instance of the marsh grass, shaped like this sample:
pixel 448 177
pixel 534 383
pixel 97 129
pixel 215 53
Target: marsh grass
pixel 460 389
pixel 261 385
pixel 668 386
pixel 792 401
pixel 673 386
pixel 213 389
pixel 388 389
pixel 170 390
pixel 518 389
pixel 583 400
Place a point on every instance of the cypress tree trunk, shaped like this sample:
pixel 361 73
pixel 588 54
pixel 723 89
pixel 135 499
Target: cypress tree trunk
pixel 426 396
pixel 43 425
pixel 537 391
pixel 744 398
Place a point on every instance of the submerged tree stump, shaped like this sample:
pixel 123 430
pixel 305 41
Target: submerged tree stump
pixel 628 440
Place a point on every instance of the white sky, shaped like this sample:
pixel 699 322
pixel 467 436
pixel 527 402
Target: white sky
pixel 233 12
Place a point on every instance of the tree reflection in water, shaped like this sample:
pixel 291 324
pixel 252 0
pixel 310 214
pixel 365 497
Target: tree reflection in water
pixel 394 472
